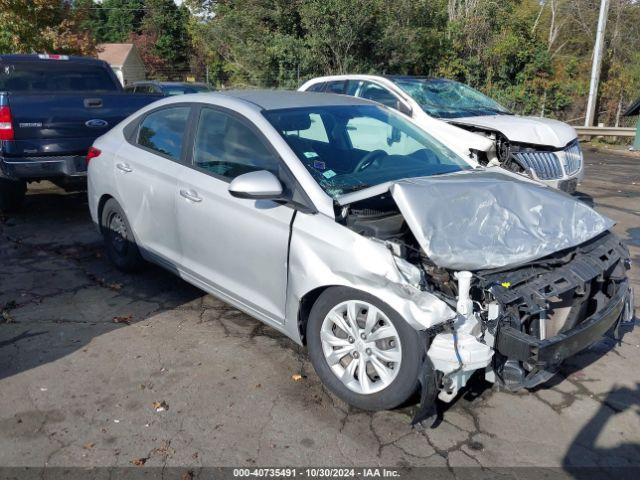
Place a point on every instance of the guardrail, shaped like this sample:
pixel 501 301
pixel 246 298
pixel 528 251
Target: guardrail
pixel 606 131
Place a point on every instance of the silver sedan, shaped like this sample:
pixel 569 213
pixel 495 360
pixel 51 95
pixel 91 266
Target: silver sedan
pixel 347 227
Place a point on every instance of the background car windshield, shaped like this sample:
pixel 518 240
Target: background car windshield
pixel 351 147
pixel 448 99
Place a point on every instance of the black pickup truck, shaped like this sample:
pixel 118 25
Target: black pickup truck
pixel 52 108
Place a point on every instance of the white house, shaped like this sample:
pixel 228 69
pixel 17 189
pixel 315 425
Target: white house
pixel 124 60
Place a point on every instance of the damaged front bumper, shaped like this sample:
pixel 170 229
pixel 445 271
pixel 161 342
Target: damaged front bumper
pixel 552 310
pixel 549 353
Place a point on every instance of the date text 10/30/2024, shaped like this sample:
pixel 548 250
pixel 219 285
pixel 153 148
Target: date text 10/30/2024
pixel 316 472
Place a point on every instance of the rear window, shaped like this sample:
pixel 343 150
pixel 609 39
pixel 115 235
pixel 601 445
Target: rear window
pixel 55 76
pixel 163 131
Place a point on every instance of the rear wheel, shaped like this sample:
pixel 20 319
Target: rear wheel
pixel 363 350
pixel 121 247
pixel 12 193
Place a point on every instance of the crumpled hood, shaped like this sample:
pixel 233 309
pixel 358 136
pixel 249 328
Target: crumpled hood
pixel 534 130
pixel 483 220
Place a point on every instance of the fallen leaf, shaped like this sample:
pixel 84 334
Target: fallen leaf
pixel 187 476
pixel 161 406
pixel 259 385
pixel 6 317
pixel 115 286
pixel 87 446
pixel 123 319
pixel 296 377
pixel 139 462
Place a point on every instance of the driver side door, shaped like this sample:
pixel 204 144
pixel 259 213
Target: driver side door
pixel 232 247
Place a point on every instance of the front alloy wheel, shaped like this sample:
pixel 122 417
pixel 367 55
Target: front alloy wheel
pixel 361 346
pixel 363 350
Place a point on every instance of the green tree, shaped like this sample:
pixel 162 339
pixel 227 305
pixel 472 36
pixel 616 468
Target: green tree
pixel 118 19
pixel 167 23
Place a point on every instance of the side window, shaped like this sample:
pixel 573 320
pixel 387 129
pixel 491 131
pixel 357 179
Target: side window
pixel 308 127
pixel 129 88
pixel 352 87
pixel 163 131
pixel 378 94
pixel 336 87
pixel 227 147
pixel 369 134
pixel 318 87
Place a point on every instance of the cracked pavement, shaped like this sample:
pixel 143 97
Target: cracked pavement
pixel 85 351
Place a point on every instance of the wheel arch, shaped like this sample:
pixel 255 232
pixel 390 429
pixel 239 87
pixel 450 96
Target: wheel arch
pixel 101 203
pixel 304 309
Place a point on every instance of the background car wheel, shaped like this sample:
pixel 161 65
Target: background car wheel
pixel 121 246
pixel 362 350
pixel 12 194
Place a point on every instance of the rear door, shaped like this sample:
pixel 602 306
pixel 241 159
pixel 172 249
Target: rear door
pixel 236 248
pixel 146 169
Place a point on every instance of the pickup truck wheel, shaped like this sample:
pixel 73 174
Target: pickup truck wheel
pixel 122 249
pixel 12 194
pixel 363 350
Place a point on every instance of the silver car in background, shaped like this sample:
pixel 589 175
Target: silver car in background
pixel 345 226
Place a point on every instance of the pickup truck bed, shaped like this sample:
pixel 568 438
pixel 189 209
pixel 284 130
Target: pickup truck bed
pixel 52 108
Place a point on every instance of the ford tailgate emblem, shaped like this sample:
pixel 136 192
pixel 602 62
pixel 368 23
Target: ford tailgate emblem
pixel 96 123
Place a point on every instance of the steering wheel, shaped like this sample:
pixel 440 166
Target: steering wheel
pixel 369 159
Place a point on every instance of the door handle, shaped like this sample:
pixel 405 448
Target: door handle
pixel 191 195
pixel 124 167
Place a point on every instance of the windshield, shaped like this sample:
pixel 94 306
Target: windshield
pixel 448 99
pixel 351 147
pixel 55 76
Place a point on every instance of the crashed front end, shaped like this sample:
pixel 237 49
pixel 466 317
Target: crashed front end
pixel 539 314
pixel 532 275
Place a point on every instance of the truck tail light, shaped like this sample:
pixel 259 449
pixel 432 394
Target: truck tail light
pixel 6 124
pixel 52 56
pixel 92 153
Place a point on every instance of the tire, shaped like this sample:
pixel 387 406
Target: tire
pixel 405 379
pixel 121 247
pixel 12 193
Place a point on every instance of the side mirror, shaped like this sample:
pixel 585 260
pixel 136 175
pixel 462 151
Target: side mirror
pixel 260 185
pixel 395 137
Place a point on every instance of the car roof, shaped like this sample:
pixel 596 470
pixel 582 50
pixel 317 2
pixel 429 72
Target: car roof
pixel 281 99
pixel 369 76
pixel 410 77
